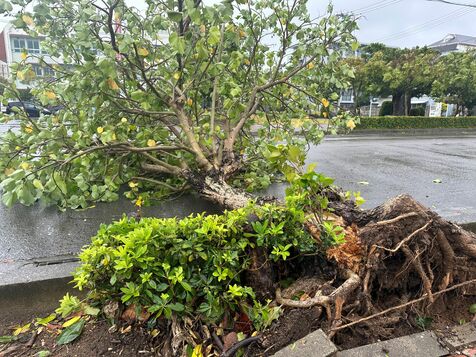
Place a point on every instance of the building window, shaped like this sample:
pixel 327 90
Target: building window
pixel 346 95
pixel 38 70
pixel 18 45
pixel 33 46
pixel 30 45
pixel 48 72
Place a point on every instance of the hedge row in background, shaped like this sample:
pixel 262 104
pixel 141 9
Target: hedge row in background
pixel 389 122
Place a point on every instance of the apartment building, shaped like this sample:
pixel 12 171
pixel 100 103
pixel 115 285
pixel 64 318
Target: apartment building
pixel 14 42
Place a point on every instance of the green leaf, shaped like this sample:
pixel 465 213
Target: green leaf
pixel 472 309
pixel 71 333
pixel 46 320
pixel 177 307
pixel 175 15
pixel 7 339
pixel 44 353
pixel 91 311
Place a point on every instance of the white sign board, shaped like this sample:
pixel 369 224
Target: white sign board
pixel 435 110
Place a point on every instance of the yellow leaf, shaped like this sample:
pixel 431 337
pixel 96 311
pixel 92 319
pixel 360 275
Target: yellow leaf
pixel 247 62
pixel 325 102
pixel 325 115
pixel 8 171
pixel 50 95
pixel 100 130
pixel 151 143
pixel 112 84
pixel 197 351
pixel 177 76
pixel 21 76
pixel 114 137
pixel 27 20
pixel 310 65
pixel 350 124
pixel 24 55
pixel 202 28
pixel 144 52
pixel 124 120
pixel 21 329
pixel 190 101
pixel 25 165
pixel 242 33
pixel 71 321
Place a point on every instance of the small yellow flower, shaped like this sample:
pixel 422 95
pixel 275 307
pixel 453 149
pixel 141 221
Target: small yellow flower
pixel 325 102
pixel 132 184
pixel 114 137
pixel 310 65
pixel 247 61
pixel 350 124
pixel 124 120
pixel 144 52
pixel 139 201
pixel 25 165
pixel 27 20
pixel 325 115
pixel 151 143
pixel 189 102
pixel 28 129
pixel 24 55
pixel 50 95
pixel 17 148
pixel 177 76
pixel 100 130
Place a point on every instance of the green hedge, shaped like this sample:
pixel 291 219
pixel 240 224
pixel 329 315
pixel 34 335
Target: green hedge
pixel 389 122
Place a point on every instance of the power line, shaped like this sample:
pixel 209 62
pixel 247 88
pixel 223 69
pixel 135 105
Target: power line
pixel 453 3
pixel 426 25
pixel 376 6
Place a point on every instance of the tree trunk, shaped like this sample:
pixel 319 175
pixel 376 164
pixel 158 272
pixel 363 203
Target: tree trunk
pixel 398 104
pixel 407 103
pixel 217 190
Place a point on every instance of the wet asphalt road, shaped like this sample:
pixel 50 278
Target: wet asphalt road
pixel 391 165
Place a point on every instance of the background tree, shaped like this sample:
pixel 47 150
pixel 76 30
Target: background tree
pixel 167 98
pixel 456 80
pixel 401 73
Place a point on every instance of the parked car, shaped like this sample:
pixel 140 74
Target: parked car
pixel 32 110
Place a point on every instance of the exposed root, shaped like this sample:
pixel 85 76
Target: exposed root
pixel 398 307
pixel 404 241
pixel 415 261
pixel 396 219
pixel 448 260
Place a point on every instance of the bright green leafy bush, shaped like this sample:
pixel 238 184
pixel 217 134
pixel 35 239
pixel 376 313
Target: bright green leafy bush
pixel 191 265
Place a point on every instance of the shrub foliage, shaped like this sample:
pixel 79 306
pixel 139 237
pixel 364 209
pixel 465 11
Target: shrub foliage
pixel 389 122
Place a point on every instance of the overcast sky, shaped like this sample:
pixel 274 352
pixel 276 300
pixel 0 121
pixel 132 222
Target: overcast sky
pixel 402 23
pixel 405 23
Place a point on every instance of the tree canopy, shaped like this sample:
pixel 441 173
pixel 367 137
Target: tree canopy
pixel 178 96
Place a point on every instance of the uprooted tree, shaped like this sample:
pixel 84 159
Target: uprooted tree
pixel 183 96
pixel 176 97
